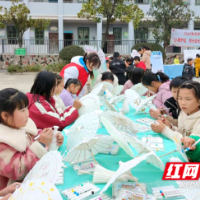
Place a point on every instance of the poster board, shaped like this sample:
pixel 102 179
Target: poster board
pixel 157 61
pixel 190 54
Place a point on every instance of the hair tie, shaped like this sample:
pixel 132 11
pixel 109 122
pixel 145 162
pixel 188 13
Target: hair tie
pixel 159 78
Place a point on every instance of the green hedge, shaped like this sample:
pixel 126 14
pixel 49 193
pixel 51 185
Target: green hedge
pixel 67 53
pixel 37 68
pixel 152 47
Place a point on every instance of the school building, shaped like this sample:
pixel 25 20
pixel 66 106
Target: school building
pixel 66 28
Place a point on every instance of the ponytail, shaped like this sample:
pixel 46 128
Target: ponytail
pixel 73 81
pixel 94 59
pixel 149 77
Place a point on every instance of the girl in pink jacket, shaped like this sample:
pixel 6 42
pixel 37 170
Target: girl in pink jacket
pixel 158 83
pixel 19 151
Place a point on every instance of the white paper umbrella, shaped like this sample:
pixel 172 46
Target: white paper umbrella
pixel 106 85
pixel 115 100
pixel 36 189
pixel 140 89
pixel 103 175
pixel 131 164
pixel 144 103
pixel 89 104
pixel 137 144
pixel 134 99
pixel 47 168
pixel 85 127
pixel 107 105
pixel 88 148
pixel 97 90
pixel 117 90
pixel 120 121
pixel 117 136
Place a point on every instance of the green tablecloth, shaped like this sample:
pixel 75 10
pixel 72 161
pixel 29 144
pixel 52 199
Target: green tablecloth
pixel 146 173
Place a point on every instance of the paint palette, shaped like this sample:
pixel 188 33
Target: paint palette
pixel 146 121
pixel 155 143
pixel 112 150
pixel 87 167
pixel 83 191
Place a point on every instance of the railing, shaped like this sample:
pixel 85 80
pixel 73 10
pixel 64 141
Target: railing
pixel 7 46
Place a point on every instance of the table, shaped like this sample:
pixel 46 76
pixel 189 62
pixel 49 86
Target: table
pixel 146 173
pixel 173 70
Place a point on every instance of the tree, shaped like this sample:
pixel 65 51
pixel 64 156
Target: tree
pixel 18 15
pixel 111 10
pixel 167 15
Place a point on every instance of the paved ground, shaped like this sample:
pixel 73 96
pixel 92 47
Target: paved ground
pixel 22 82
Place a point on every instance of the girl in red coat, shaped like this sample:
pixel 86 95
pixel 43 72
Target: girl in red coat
pixel 81 68
pixel 42 104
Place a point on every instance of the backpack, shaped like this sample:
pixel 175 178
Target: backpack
pixel 187 71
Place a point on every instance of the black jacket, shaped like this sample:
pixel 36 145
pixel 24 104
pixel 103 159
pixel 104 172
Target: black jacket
pixel 130 67
pixel 171 103
pixel 117 66
pixel 188 71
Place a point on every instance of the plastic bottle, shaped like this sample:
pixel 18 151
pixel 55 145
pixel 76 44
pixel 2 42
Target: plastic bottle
pixel 53 146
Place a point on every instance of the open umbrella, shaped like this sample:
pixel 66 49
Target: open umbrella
pixel 88 148
pixel 90 103
pixel 124 167
pixel 85 127
pixel 106 86
pixel 36 189
pixel 47 168
pixel 107 105
pixel 139 88
pixel 120 121
pixel 117 136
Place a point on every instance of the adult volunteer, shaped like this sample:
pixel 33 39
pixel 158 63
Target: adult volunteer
pixel 118 67
pixel 81 68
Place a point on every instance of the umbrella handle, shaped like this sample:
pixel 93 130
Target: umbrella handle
pixel 167 153
pixel 93 157
pixel 139 184
pixel 84 172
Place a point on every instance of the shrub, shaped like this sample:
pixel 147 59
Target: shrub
pixel 56 67
pixel 67 53
pixel 14 68
pixel 152 47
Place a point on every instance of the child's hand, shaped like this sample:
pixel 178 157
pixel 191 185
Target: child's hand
pixel 10 189
pixel 188 142
pixel 60 139
pixel 158 128
pixel 165 121
pixel 77 104
pixel 6 197
pixel 155 113
pixel 46 136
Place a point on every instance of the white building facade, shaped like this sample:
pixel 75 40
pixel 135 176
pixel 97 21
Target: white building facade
pixel 66 28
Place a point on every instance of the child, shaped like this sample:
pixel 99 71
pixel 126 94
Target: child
pixel 60 106
pixel 129 66
pixel 171 103
pixel 197 65
pixel 18 150
pixel 42 104
pixel 146 55
pixel 188 71
pixel 81 68
pixel 136 75
pixel 108 65
pixel 159 84
pixel 108 77
pixel 188 120
pixel 139 63
pixel 176 60
pixel 72 86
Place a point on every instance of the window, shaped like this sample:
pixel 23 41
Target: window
pixel 176 49
pixel 117 32
pixel 83 35
pixel 39 37
pixel 141 34
pixel 12 35
pixel 197 2
pixel 142 1
pixel 82 1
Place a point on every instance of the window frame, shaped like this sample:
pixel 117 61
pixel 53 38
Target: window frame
pixel 39 41
pixel 84 41
pixel 142 3
pixel 197 3
pixel 12 40
pixel 118 42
